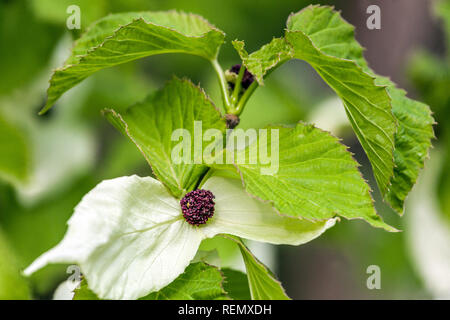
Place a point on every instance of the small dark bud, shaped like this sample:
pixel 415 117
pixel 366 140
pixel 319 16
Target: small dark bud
pixel 198 206
pixel 236 68
pixel 247 79
pixel 232 120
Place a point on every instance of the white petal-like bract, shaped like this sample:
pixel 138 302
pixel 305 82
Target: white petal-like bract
pixel 239 214
pixel 128 236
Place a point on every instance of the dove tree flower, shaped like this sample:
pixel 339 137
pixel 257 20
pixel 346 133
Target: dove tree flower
pixel 130 238
pixel 136 237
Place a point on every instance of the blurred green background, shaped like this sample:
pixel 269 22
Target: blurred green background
pixel 72 148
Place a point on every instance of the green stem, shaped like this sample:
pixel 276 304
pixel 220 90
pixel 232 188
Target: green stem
pixel 238 86
pixel 247 94
pixel 205 176
pixel 223 84
pixel 237 110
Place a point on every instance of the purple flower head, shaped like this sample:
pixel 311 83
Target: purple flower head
pixel 198 206
pixel 247 79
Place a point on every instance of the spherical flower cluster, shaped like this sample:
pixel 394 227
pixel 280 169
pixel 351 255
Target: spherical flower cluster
pixel 198 206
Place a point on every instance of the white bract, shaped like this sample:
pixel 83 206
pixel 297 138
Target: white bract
pixel 129 236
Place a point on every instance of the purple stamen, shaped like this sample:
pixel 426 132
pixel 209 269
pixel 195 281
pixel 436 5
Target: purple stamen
pixel 198 206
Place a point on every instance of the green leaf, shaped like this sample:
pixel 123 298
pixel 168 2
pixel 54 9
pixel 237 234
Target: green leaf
pixel 200 281
pixel 236 284
pixel 321 37
pixel 413 136
pixel 12 285
pixel 262 282
pixel 268 57
pixel 314 177
pixel 84 293
pixel 124 37
pixel 150 125
pixel 412 142
pixel 14 150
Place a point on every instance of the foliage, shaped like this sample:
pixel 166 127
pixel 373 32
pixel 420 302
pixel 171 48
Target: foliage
pixel 135 222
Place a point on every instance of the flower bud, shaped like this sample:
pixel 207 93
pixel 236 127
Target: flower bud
pixel 247 79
